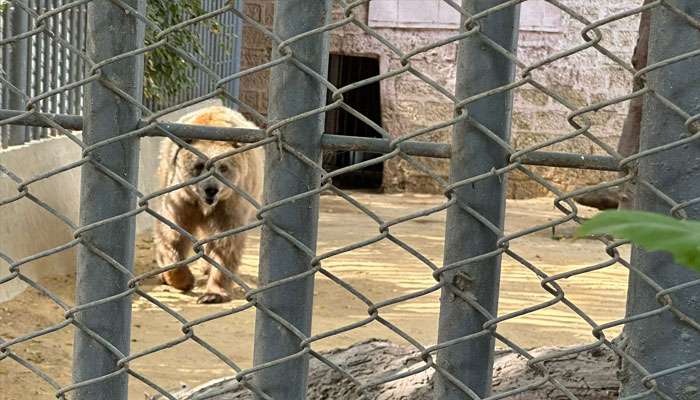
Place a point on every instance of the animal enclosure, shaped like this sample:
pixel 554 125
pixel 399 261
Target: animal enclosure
pixel 452 276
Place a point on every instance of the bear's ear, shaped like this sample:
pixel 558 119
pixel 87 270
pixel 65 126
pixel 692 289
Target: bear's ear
pixel 173 159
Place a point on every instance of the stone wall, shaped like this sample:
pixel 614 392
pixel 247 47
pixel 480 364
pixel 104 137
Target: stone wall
pixel 584 78
pixel 408 103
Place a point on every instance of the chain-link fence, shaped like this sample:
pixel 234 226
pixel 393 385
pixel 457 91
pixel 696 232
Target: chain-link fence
pixel 659 353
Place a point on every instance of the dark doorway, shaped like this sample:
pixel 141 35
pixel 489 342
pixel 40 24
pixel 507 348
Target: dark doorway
pixel 342 71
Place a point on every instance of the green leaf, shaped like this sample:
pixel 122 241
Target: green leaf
pixel 166 74
pixel 651 231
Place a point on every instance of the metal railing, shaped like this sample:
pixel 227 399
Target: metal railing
pixel 662 323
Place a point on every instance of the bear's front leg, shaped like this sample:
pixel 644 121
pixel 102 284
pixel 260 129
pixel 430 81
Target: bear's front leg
pixel 227 252
pixel 171 247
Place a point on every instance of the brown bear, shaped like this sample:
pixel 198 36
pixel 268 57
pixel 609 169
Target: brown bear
pixel 209 206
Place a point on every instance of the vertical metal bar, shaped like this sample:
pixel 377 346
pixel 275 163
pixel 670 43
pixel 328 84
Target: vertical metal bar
pixel 64 21
pixel 31 90
pixel 108 115
pixel 237 45
pixel 479 69
pixel 36 67
pixel 46 50
pixel 28 73
pixel 6 32
pixel 73 68
pixel 46 81
pixel 208 58
pixel 40 132
pixel 69 23
pixel 54 60
pixel 19 23
pixel 62 66
pixel 292 92
pixel 214 46
pixel 664 340
pixel 80 44
pixel 208 45
pixel 4 99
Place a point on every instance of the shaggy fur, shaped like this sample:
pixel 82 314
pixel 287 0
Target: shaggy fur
pixel 208 207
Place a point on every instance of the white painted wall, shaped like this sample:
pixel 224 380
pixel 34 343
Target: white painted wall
pixel 26 229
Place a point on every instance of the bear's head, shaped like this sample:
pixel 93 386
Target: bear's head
pixel 212 189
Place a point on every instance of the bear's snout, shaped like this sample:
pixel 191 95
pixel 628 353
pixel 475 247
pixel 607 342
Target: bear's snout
pixel 210 192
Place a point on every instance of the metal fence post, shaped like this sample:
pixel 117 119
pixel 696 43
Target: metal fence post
pixel 110 32
pixel 664 341
pixel 479 69
pixel 19 23
pixel 292 92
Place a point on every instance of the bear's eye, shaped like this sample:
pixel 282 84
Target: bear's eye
pixel 198 167
pixel 223 168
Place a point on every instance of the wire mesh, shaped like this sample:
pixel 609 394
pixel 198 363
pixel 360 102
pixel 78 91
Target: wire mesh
pixel 405 147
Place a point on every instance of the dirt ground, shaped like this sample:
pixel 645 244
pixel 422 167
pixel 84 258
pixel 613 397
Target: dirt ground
pixel 380 271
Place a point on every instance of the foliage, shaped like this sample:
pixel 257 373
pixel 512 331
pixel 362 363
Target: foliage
pixel 166 73
pixel 651 231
